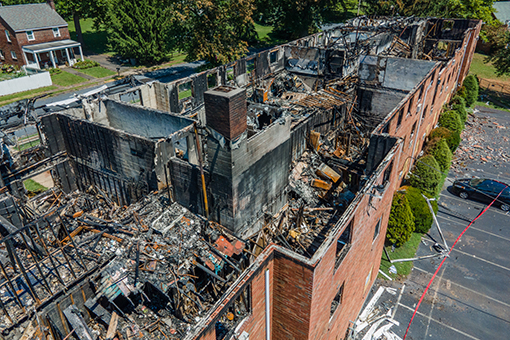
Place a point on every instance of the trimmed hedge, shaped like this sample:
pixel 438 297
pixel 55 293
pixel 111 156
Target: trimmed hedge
pixel 470 89
pixel 442 154
pixel 426 175
pixel 451 121
pixel 401 221
pixel 422 216
pixel 452 138
pixel 81 65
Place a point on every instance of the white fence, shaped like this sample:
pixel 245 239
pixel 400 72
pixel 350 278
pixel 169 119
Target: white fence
pixel 33 81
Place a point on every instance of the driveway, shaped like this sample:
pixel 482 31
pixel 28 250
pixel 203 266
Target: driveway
pixel 470 296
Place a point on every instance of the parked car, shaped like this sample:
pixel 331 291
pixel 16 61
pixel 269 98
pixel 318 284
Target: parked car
pixel 484 190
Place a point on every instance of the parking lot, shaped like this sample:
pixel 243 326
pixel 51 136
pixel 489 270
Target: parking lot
pixel 470 296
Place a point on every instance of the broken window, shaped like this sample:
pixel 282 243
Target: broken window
pixel 185 90
pixel 343 244
pixel 421 93
pixel 400 116
pixel 233 315
pixel 412 134
pixel 447 25
pixel 250 65
pixel 337 301
pixel 386 128
pixel 410 107
pixel 387 174
pixel 273 57
pixel 377 228
pixel 230 73
pixel 211 80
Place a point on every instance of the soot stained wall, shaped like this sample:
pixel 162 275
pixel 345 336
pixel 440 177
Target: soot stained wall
pixel 145 122
pixel 120 164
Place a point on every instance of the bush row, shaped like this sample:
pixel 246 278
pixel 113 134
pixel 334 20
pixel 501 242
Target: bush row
pixel 81 65
pixel 410 211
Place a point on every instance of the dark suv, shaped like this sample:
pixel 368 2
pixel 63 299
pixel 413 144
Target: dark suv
pixel 482 189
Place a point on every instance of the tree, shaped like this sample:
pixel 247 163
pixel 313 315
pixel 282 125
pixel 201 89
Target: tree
pixel 401 221
pixel 468 9
pixel 140 29
pixel 422 216
pixel 458 104
pixel 214 30
pixel 441 152
pixel 452 138
pixel 451 121
pixel 293 19
pixel 426 175
pixel 81 9
pixel 470 89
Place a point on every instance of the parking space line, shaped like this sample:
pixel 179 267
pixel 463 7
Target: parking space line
pixel 476 204
pixel 481 259
pixel 481 230
pixel 434 301
pixel 439 322
pixel 468 289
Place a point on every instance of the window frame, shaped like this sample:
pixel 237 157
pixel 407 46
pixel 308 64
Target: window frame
pixel 31 36
pixel 13 55
pixel 8 36
pixel 338 298
pixel 377 229
pixel 56 32
pixel 342 253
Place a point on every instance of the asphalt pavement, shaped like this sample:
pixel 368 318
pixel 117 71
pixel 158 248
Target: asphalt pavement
pixel 470 296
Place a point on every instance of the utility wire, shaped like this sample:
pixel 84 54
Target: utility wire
pixel 444 259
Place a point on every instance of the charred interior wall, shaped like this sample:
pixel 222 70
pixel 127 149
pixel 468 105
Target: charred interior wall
pixel 120 164
pixel 144 122
pixel 376 103
pixel 393 73
pixel 249 176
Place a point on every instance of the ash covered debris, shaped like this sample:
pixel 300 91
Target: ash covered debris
pixel 152 269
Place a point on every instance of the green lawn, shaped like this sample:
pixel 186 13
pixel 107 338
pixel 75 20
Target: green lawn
pixel 408 250
pixel 65 79
pixel 33 187
pixel 94 41
pixel 28 145
pixel 26 93
pixel 483 70
pixel 263 31
pixel 97 72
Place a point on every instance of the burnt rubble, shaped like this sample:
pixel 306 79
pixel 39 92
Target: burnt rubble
pixel 150 270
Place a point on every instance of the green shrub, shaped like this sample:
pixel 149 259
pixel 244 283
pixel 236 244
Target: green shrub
pixel 470 89
pixel 426 175
pixel 451 121
pixel 401 221
pixel 422 216
pixel 55 70
pixel 81 65
pixel 442 154
pixel 452 138
pixel 461 112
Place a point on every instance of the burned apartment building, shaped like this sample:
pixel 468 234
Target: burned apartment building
pixel 249 201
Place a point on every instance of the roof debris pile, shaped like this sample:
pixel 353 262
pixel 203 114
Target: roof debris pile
pixel 323 182
pixel 481 130
pixel 154 269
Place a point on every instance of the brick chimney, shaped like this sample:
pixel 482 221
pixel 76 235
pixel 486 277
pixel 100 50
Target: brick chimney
pixel 51 3
pixel 225 110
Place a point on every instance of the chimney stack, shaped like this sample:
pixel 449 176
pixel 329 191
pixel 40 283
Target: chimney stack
pixel 225 110
pixel 51 3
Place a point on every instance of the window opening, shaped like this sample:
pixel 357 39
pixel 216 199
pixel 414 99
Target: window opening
pixel 337 301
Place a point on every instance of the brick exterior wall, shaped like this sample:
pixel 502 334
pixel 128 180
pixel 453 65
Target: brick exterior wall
pixel 226 112
pixel 422 111
pixel 20 39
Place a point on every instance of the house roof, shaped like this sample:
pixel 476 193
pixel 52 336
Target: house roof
pixel 31 16
pixel 502 11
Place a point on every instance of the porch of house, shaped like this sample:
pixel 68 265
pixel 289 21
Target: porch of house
pixel 52 54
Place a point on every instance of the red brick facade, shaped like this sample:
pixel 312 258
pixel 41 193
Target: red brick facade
pixel 20 39
pixel 302 290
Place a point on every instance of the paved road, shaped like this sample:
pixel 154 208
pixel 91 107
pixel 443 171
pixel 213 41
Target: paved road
pixel 470 296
